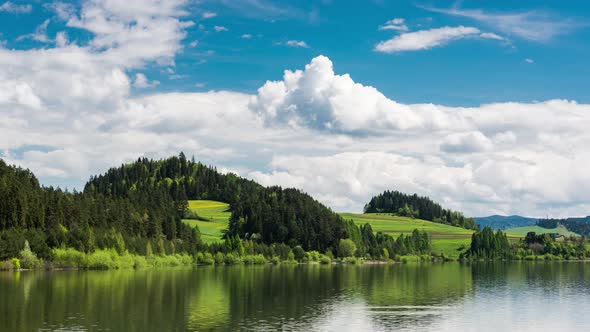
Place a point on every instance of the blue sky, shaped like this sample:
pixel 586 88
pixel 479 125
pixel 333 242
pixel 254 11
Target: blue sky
pixel 489 98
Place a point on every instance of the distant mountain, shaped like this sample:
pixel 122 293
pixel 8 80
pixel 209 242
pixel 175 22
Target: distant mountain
pixel 505 222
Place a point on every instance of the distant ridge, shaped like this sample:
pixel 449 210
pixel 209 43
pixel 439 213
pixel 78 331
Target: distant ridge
pixel 505 222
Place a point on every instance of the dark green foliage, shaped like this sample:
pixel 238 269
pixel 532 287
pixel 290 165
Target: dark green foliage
pixel 373 245
pixel 577 225
pixel 486 244
pixel 276 215
pixel 414 206
pixel 50 218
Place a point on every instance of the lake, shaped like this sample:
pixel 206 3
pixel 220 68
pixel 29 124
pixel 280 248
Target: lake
pixel 424 297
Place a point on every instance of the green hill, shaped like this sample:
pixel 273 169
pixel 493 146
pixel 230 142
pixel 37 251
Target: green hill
pixel 446 239
pixel 215 218
pixel 522 231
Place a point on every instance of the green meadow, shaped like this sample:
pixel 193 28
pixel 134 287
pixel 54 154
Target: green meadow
pixel 522 231
pixel 214 219
pixel 446 239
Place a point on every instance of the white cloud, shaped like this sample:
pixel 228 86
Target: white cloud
pixel 246 36
pixel 220 28
pixel 297 43
pixel 142 82
pixel 335 138
pixel 490 35
pixel 194 43
pixel 320 99
pixel 207 15
pixel 396 24
pixel 11 7
pixel 529 60
pixel 531 25
pixel 425 39
pixel 61 39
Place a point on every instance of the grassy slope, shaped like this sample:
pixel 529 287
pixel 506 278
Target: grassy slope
pixel 445 238
pixel 218 215
pixel 521 231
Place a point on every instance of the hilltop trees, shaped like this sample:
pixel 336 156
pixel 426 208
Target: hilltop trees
pixel 414 206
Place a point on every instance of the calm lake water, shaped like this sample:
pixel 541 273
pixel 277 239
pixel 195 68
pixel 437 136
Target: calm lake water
pixel 428 297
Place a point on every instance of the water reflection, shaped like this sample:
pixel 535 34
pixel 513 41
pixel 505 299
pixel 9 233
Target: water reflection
pixel 483 296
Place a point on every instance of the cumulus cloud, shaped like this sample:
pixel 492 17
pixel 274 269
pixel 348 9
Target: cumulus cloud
pixel 315 129
pixel 425 39
pixel 318 98
pixel 220 28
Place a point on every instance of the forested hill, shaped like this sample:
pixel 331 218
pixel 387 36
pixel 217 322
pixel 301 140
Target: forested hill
pixel 270 215
pixel 145 219
pixel 415 206
pixel 577 225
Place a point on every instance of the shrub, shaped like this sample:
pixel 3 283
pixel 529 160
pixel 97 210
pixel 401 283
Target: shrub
pixel 219 258
pixel 6 265
pixel 103 260
pixel 139 262
pixel 254 259
pixel 313 256
pixel 68 257
pixel 346 248
pixel 15 263
pixel 206 259
pixel 275 260
pixel 350 260
pixel 230 259
pixel 325 259
pixel 299 253
pixel 409 258
pixel 28 259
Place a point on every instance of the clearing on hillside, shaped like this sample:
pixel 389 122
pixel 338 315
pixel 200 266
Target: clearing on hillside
pixel 215 217
pixel 521 231
pixel 446 239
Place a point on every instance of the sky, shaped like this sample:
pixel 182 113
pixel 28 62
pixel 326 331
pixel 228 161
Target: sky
pixel 482 106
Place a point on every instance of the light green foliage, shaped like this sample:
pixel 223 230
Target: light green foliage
pixel 28 259
pixel 68 258
pixel 15 263
pixel 313 256
pixel 254 259
pixel 231 259
pixel 215 218
pixel 219 258
pixel 346 248
pixel 325 260
pixel 350 260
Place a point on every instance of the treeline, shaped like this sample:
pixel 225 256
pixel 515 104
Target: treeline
pixel 49 218
pixel 270 215
pixel 487 245
pixel 415 206
pixel 577 225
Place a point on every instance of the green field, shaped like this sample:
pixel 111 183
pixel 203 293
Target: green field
pixel 216 215
pixel 521 231
pixel 446 239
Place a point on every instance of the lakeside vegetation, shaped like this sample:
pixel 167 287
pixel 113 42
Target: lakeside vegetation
pixel 177 212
